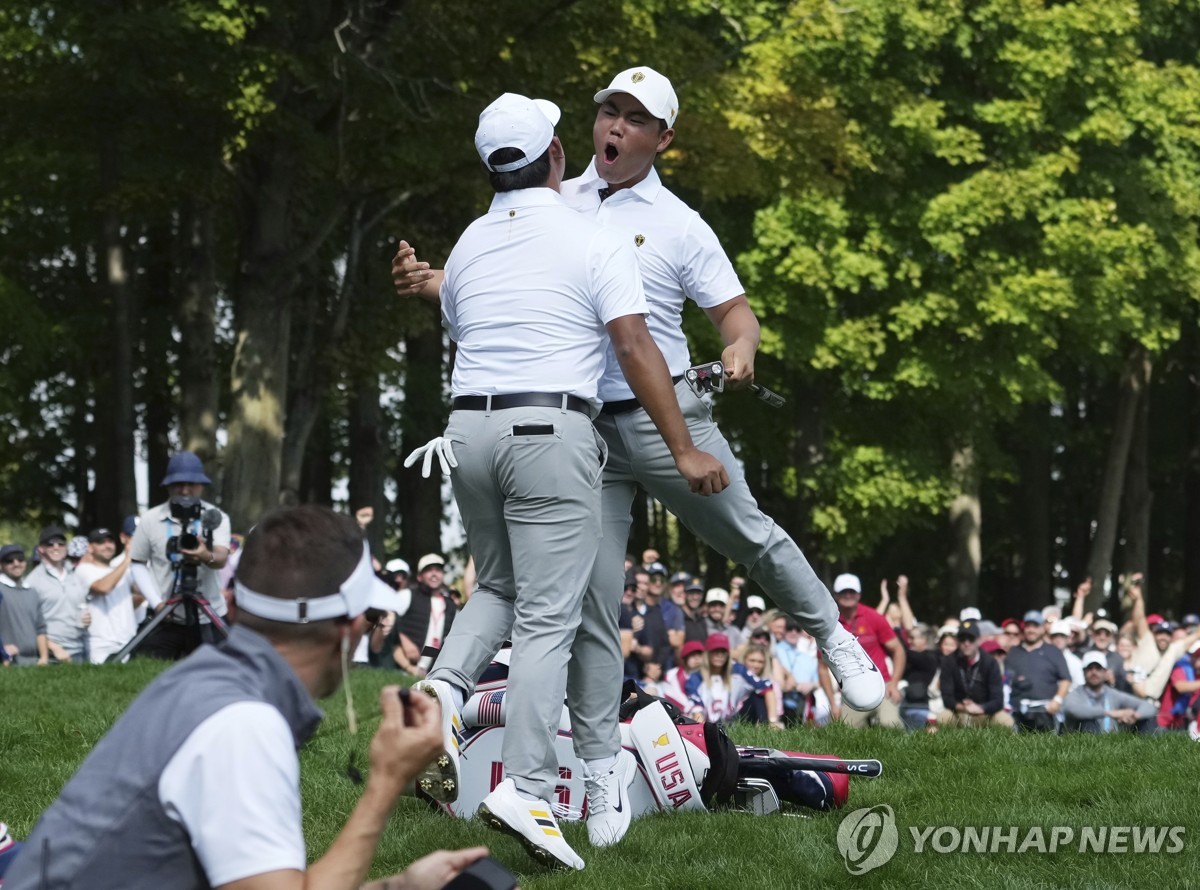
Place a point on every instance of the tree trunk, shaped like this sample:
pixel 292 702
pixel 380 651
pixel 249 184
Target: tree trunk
pixel 122 496
pixel 965 522
pixel 1134 378
pixel 199 392
pixel 258 380
pixel 1191 537
pixel 316 486
pixel 1136 515
pixel 368 460
pixel 419 500
pixel 1036 575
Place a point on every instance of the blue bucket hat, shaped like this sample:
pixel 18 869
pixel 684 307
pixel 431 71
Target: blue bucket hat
pixel 185 467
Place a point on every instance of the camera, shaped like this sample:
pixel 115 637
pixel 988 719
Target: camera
pixel 186 510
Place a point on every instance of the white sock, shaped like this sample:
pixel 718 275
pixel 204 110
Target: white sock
pixel 601 766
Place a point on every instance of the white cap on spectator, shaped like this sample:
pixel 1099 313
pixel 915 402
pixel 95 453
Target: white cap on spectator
pixel 397 565
pixel 717 595
pixel 1094 657
pixel 756 602
pixel 429 559
pixel 1060 627
pixel 970 613
pixel 846 581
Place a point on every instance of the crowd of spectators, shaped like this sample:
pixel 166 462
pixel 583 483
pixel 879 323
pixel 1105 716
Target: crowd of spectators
pixel 718 655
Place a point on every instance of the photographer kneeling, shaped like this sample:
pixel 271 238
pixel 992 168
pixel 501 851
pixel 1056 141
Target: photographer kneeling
pixel 198 783
pixel 184 543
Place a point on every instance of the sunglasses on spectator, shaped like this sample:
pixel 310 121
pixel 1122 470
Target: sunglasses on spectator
pixel 9 559
pixel 56 543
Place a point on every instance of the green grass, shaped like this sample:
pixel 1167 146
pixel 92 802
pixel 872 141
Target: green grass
pixel 954 778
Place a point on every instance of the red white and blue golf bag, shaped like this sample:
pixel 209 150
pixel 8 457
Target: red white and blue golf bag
pixel 682 765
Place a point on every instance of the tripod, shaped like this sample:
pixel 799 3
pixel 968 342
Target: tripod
pixel 183 593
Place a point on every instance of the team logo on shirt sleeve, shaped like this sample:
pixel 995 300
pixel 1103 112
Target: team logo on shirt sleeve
pixel 639 240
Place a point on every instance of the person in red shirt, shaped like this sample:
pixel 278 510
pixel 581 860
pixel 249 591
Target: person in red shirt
pixel 880 642
pixel 1181 688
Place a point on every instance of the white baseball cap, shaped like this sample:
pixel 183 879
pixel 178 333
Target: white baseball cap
pixel 1094 657
pixel 717 595
pixel 846 581
pixel 970 613
pixel 429 559
pixel 397 565
pixel 650 88
pixel 518 122
pixel 1060 627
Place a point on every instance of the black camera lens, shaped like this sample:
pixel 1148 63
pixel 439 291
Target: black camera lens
pixel 188 541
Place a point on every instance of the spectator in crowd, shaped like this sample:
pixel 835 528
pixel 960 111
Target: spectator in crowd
pixel 712 696
pixel 998 652
pixel 22 621
pixel 1097 707
pixel 796 655
pixel 1040 678
pixel 676 589
pixel 1010 634
pixel 424 616
pixel 971 684
pixel 1104 634
pixel 735 612
pixel 672 615
pixel 110 595
pixel 651 678
pixel 77 549
pixel 1179 697
pixel 695 624
pixel 1051 613
pixel 397 572
pixel 656 577
pixel 947 639
pixel 1060 638
pixel 152 548
pixel 62 599
pixel 879 641
pixel 1135 675
pixel 716 608
pixel 678 680
pixel 756 608
pixel 758 702
pixel 922 665
pixel 651 640
pixel 1190 622
pixel 160 801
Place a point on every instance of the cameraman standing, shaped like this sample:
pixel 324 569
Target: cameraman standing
pixel 160 544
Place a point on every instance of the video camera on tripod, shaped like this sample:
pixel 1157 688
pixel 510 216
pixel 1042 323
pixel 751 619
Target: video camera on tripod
pixel 195 523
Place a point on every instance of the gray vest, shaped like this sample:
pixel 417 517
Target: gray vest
pixel 107 829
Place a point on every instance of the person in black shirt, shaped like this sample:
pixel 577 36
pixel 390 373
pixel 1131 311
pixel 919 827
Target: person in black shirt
pixel 922 667
pixel 972 686
pixel 1040 678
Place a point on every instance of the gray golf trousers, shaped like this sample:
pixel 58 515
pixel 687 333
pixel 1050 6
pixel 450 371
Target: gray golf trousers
pixel 531 507
pixel 730 522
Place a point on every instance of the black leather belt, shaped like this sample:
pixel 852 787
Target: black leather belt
pixel 522 400
pixel 626 405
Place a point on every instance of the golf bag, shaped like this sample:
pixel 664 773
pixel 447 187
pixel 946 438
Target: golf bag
pixel 682 765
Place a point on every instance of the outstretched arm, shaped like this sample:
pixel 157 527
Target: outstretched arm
pixel 413 278
pixel 907 618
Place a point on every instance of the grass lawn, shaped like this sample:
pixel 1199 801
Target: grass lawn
pixel 946 782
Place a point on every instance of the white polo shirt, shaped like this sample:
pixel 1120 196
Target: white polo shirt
pixel 679 256
pixel 527 292
pixel 113 623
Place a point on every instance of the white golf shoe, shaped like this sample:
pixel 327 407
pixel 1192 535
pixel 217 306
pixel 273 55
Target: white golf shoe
pixel 860 681
pixel 440 779
pixel 608 809
pixel 531 822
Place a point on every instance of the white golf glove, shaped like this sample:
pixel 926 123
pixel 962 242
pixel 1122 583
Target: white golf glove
pixel 439 446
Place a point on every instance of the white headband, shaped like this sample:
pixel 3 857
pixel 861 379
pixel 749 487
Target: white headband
pixel 361 591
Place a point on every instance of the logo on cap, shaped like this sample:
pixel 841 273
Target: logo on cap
pixel 638 77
